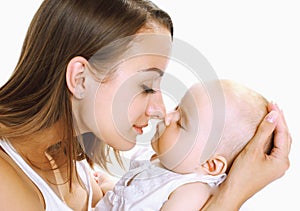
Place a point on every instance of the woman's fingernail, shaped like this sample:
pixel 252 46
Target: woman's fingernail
pixel 272 116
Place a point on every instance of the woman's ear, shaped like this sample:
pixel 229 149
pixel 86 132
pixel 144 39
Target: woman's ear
pixel 215 166
pixel 75 76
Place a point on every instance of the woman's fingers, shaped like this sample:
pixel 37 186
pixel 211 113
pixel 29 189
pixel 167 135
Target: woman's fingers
pixel 253 169
pixel 282 136
pixel 282 141
pixel 282 145
pixel 262 136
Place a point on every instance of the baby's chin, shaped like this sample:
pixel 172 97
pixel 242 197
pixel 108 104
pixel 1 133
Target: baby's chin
pixel 180 168
pixel 154 145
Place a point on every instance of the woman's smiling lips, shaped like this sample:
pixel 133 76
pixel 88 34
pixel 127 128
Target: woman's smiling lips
pixel 139 129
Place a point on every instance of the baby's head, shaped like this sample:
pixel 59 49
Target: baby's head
pixel 179 143
pixel 244 110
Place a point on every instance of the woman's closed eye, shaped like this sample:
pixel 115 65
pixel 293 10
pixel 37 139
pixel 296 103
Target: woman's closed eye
pixel 147 89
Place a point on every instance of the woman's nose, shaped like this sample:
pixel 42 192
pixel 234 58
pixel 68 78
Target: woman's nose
pixel 156 107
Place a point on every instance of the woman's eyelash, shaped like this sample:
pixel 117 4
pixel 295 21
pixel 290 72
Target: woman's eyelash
pixel 147 89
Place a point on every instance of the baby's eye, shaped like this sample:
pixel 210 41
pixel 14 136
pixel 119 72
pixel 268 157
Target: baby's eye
pixel 179 124
pixel 179 120
pixel 147 89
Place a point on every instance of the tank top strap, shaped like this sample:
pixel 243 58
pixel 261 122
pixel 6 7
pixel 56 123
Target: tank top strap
pixel 52 201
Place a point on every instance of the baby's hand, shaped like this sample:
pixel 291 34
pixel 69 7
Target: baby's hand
pixel 105 182
pixel 98 177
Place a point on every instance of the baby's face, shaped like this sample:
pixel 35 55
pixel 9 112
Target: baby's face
pixel 179 145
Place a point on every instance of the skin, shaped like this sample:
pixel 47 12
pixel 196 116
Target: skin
pixel 118 109
pixel 183 129
pixel 88 96
pixel 190 124
pixel 15 184
pixel 252 160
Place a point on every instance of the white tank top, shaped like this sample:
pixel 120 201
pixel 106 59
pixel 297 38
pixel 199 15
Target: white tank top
pixel 52 201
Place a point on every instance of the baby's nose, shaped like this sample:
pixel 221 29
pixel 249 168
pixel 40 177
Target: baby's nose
pixel 172 117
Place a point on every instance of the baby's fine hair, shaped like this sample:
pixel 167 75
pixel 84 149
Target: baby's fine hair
pixel 244 110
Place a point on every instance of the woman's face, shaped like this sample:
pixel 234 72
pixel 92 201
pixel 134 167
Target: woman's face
pixel 118 109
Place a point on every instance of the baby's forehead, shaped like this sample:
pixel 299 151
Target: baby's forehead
pixel 216 87
pixel 204 91
pixel 195 89
pixel 219 91
pixel 196 96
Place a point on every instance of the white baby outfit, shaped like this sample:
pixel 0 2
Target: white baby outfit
pixel 52 201
pixel 147 185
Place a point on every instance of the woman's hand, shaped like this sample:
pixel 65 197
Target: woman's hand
pixel 253 169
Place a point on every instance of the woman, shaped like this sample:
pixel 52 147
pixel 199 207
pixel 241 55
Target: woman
pixel 74 62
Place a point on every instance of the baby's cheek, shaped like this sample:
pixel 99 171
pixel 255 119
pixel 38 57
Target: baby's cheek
pixel 168 150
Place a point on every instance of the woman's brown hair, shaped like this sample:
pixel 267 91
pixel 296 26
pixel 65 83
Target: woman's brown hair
pixel 36 96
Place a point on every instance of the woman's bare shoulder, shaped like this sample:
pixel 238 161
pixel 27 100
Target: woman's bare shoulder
pixel 16 192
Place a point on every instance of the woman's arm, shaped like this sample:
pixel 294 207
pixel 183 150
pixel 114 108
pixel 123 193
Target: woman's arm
pixel 253 169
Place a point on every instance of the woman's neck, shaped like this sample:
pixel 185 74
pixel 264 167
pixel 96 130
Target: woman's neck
pixel 33 147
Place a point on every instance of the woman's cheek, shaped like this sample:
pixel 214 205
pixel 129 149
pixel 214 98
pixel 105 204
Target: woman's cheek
pixel 137 108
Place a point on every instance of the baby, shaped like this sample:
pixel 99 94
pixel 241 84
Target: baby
pixel 187 165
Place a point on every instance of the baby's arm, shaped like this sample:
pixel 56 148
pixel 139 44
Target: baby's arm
pixel 191 196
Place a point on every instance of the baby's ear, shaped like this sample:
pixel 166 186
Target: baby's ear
pixel 215 166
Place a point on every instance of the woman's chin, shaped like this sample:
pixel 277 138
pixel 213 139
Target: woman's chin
pixel 129 147
pixel 125 145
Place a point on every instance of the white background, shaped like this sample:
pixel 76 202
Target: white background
pixel 253 42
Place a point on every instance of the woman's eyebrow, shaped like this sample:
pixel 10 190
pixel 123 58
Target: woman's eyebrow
pixel 159 71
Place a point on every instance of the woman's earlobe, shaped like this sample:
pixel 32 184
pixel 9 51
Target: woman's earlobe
pixel 75 76
pixel 215 166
